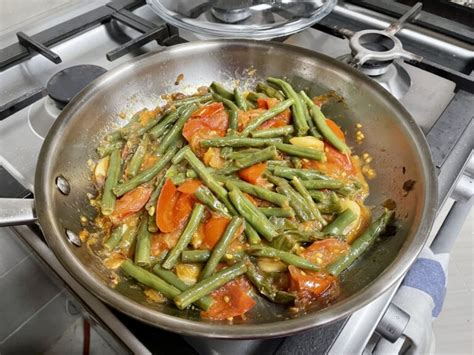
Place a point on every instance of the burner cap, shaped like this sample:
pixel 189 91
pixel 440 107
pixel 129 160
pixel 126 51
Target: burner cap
pixel 67 83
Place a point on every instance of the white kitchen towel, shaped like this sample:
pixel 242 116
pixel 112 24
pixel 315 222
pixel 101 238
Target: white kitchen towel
pixel 421 295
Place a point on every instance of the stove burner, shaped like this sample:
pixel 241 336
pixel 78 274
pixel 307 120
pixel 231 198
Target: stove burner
pixel 67 83
pixel 373 51
pixel 231 11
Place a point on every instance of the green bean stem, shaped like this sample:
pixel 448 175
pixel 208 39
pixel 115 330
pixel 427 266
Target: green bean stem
pixel 113 172
pixel 206 286
pixel 361 244
pixel 186 235
pixel 221 247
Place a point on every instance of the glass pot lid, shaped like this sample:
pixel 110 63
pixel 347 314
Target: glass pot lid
pixel 252 19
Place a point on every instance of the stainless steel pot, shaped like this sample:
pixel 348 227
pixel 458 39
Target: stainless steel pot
pixel 392 137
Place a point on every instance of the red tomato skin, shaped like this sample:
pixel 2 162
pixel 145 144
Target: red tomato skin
pixel 253 173
pixel 133 201
pixel 324 252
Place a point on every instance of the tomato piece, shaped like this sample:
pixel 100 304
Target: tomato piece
pixel 189 186
pixel 133 201
pixel 253 173
pixel 230 300
pixel 336 129
pixel 212 117
pixel 183 208
pixel 165 207
pixel 324 252
pixel 213 230
pixel 311 287
pixel 338 159
pixel 163 241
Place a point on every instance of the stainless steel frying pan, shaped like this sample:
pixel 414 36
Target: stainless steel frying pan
pixel 392 137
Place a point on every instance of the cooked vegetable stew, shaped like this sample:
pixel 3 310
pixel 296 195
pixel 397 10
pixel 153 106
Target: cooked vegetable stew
pixel 224 196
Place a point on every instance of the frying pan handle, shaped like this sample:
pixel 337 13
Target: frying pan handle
pixel 15 211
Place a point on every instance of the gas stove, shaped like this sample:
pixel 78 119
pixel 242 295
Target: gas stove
pixel 429 72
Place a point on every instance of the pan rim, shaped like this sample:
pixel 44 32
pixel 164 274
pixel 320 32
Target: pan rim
pixel 337 311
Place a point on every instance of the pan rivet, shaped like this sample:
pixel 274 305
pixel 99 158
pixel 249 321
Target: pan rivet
pixel 73 238
pixel 63 185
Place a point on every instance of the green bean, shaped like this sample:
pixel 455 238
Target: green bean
pixel 165 122
pixel 143 247
pixel 322 184
pixel 297 184
pixel 233 111
pixel 205 175
pixel 206 286
pixel 239 142
pixel 250 104
pixel 146 175
pixel 270 91
pixel 151 204
pixel 344 219
pixel 265 287
pixel 178 179
pixel 115 237
pixel 221 247
pixel 170 277
pixel 277 212
pixel 317 195
pixel 114 136
pixel 221 90
pixel 259 192
pixel 272 164
pixel 251 214
pixel 288 258
pixel 179 156
pixel 361 244
pixel 305 174
pixel 186 235
pixel 312 128
pixel 239 100
pixel 137 128
pixel 298 114
pixel 253 96
pixel 113 171
pixel 297 163
pixel 241 153
pixel 205 196
pixel 270 113
pixel 331 204
pixel 151 225
pixel 107 148
pixel 175 131
pixel 138 156
pixel 147 278
pixel 192 100
pixel 201 256
pixel 252 159
pixel 296 201
pixel 129 238
pixel 303 152
pixel 320 122
pixel 273 132
pixel 191 174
